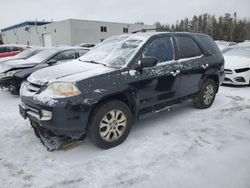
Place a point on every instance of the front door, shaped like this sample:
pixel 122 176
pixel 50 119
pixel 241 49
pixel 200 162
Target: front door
pixel 158 85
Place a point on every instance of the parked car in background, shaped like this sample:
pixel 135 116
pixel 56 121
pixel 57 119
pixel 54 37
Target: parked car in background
pixel 11 50
pixel 30 51
pixel 245 43
pixel 224 44
pixel 237 65
pixel 13 73
pixel 86 45
pixel 105 91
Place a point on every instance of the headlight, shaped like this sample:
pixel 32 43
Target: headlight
pixel 61 90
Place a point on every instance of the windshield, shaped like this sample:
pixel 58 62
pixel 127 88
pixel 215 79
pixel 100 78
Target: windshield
pixel 42 56
pixel 116 51
pixel 25 54
pixel 244 52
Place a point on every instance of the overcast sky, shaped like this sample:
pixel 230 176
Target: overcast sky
pixel 128 11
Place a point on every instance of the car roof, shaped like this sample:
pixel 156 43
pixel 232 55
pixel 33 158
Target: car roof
pixel 155 33
pixel 14 45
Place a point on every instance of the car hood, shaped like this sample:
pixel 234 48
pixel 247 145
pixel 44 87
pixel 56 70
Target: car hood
pixel 72 71
pixel 4 59
pixel 16 64
pixel 236 62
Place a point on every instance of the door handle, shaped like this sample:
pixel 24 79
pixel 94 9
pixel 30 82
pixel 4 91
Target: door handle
pixel 175 73
pixel 205 66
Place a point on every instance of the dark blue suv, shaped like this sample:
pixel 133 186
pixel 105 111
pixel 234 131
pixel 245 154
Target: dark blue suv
pixel 105 91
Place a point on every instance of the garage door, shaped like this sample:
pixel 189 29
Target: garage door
pixel 47 40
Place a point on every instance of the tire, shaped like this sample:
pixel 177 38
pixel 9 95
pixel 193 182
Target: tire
pixel 206 96
pixel 110 124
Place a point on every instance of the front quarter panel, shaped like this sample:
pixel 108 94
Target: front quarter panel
pixel 25 73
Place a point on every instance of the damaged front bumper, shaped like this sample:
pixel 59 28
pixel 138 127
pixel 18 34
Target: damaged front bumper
pixel 10 83
pixel 59 126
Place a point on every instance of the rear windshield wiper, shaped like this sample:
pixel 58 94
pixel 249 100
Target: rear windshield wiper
pixel 94 62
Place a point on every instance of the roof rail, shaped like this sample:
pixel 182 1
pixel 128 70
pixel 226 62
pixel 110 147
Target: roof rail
pixel 145 30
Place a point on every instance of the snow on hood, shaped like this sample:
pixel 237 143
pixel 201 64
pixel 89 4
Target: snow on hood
pixel 68 72
pixel 14 64
pixel 236 62
pixel 7 59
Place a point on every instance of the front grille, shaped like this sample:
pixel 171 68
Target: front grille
pixel 242 70
pixel 228 71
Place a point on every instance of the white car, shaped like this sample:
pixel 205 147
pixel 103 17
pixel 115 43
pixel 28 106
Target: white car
pixel 237 65
pixel 224 44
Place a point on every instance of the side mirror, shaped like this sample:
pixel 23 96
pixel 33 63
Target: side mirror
pixel 52 61
pixel 147 62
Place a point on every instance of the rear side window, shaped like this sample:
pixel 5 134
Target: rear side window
pixel 4 50
pixel 82 52
pixel 209 43
pixel 161 48
pixel 70 54
pixel 187 47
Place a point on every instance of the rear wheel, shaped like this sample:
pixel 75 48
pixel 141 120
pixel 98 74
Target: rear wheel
pixel 206 96
pixel 110 124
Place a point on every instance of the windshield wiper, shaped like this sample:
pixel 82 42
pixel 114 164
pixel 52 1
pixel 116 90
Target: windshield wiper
pixel 94 62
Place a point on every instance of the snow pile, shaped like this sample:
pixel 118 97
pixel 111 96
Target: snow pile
pixel 186 147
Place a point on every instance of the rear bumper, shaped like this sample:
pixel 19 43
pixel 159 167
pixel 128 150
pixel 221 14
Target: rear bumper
pixel 67 119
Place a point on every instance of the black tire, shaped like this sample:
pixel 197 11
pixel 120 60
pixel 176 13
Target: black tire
pixel 102 111
pixel 201 100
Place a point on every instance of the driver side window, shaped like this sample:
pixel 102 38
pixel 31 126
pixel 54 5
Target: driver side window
pixel 161 49
pixel 70 54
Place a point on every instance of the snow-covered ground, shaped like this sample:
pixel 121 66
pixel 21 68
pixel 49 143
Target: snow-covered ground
pixel 186 147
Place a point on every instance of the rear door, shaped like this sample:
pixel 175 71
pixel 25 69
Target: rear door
pixel 191 65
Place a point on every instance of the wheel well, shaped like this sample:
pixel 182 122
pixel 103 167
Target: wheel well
pixel 215 78
pixel 127 98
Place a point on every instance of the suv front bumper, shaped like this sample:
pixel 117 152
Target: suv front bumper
pixel 66 120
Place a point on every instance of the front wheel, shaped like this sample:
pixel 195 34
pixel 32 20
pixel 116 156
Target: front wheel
pixel 110 124
pixel 206 96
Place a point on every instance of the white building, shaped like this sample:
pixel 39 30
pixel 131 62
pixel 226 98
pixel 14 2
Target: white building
pixel 66 32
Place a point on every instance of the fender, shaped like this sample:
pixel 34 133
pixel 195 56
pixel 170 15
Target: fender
pixel 25 73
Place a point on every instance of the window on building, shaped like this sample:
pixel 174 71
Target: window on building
pixel 161 48
pixel 103 29
pixel 125 30
pixel 188 48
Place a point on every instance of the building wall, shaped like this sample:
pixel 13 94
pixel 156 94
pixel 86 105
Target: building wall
pixel 83 31
pixel 68 32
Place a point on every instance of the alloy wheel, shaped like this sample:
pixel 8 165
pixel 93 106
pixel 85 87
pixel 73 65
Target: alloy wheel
pixel 208 94
pixel 113 125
